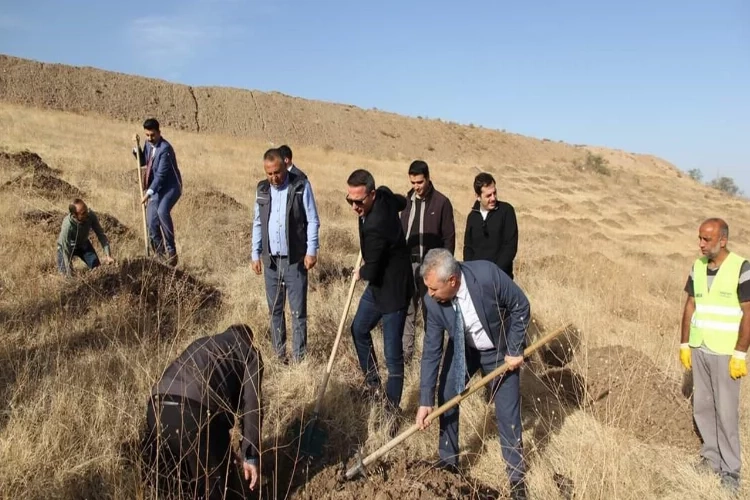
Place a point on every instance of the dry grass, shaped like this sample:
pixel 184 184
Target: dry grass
pixel 609 254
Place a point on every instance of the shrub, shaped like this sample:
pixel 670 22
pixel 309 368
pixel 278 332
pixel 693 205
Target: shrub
pixel 595 163
pixel 695 174
pixel 727 185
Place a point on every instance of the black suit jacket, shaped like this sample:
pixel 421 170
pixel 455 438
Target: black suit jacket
pixel 387 266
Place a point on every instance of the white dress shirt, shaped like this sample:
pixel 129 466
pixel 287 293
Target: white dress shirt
pixel 474 332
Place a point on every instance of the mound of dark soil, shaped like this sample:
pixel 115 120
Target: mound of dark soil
pixel 396 480
pixel 627 390
pixel 45 185
pixel 220 218
pixel 47 221
pixel 26 160
pixel 329 271
pixel 154 298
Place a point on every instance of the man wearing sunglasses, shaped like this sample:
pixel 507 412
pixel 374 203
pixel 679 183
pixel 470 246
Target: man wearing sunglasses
pixel 491 227
pixel 387 269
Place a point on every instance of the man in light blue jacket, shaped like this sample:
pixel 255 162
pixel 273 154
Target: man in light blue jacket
pixel 163 183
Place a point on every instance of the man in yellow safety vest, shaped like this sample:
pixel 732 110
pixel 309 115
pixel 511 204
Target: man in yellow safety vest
pixel 715 339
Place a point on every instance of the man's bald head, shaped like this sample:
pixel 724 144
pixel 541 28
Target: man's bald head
pixel 79 210
pixel 712 238
pixel 721 226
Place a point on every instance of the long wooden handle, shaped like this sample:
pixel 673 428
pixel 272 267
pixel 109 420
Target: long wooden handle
pixel 332 357
pixel 449 404
pixel 140 196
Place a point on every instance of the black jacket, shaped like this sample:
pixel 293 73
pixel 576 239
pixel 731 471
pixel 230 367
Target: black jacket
pixel 223 373
pixel 494 239
pixel 387 266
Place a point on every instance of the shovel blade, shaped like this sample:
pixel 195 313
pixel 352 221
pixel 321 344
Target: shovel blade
pixel 313 438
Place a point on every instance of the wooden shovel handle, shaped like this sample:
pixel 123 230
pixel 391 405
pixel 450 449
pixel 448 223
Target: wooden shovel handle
pixel 332 357
pixel 450 404
pixel 140 196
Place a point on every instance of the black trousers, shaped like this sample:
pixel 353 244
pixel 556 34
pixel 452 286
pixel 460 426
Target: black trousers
pixel 187 451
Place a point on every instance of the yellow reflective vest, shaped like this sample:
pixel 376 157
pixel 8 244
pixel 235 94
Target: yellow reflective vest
pixel 716 320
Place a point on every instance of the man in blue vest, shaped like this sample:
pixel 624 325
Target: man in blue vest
pixel 285 244
pixel 714 342
pixel 163 183
pixel 486 316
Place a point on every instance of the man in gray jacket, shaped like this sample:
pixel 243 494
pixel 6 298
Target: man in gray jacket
pixel 486 316
pixel 73 240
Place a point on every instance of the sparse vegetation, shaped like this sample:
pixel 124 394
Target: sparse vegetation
pixel 593 163
pixel 727 185
pixel 695 174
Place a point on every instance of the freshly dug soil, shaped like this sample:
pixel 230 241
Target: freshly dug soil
pixel 627 390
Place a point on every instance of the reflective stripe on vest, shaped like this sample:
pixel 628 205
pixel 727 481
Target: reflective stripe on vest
pixel 716 320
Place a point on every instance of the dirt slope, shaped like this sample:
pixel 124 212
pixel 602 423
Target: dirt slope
pixel 273 117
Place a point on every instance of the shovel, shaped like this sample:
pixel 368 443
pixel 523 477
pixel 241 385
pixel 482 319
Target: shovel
pixel 143 207
pixel 359 467
pixel 313 437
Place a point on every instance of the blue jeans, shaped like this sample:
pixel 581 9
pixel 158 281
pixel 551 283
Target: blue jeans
pixel 86 253
pixel 507 391
pixel 284 279
pixel 160 226
pixel 367 317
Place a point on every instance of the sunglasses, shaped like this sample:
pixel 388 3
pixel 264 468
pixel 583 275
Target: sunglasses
pixel 359 203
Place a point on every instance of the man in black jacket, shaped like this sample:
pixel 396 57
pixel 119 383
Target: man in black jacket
pixel 187 446
pixel 491 227
pixel 428 223
pixel 387 269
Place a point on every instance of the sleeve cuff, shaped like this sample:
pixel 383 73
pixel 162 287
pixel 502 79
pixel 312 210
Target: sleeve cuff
pixel 312 251
pixel 426 400
pixel 252 461
pixel 150 192
pixel 739 355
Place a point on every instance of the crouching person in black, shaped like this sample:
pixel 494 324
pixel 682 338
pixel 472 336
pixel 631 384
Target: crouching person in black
pixel 187 447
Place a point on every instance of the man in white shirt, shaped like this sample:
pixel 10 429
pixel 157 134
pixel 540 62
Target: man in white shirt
pixel 486 316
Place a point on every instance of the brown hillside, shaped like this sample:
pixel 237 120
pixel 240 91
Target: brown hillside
pixel 275 117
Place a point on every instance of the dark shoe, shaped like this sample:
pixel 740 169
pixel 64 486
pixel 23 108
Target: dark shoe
pixel 284 360
pixel 731 483
pixel 172 260
pixel 448 467
pixel 518 490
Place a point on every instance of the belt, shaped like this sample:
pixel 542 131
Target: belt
pixel 279 256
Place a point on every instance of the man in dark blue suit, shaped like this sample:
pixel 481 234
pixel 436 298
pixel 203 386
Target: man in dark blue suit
pixel 163 183
pixel 486 316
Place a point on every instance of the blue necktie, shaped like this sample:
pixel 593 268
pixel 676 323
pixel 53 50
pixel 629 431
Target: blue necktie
pixel 459 350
